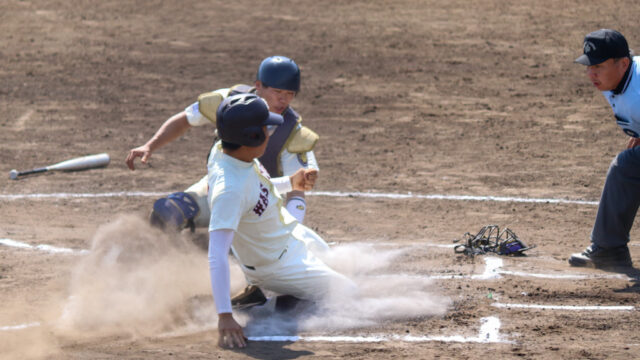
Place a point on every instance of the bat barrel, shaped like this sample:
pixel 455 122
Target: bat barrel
pixel 81 163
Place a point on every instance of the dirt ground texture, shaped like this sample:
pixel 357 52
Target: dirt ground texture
pixel 429 97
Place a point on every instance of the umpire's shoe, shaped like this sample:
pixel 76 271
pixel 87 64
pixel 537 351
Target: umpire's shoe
pixel 602 258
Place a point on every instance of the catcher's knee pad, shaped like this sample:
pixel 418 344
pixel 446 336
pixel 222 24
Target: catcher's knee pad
pixel 176 211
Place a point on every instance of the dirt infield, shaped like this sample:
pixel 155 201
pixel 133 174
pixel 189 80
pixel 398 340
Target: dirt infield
pixel 477 98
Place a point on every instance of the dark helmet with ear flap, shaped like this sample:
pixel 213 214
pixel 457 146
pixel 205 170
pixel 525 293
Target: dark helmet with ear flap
pixel 240 118
pixel 279 72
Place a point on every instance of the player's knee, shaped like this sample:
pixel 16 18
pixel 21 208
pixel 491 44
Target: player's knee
pixel 175 212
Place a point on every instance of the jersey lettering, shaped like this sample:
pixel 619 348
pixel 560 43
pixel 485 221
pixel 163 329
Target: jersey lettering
pixel 263 201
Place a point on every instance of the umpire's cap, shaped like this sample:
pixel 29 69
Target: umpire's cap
pixel 602 45
pixel 279 72
pixel 240 118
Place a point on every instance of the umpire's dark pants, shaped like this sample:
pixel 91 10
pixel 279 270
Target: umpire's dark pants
pixel 619 201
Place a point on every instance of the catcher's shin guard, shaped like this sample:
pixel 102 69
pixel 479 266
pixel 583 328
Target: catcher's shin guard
pixel 175 212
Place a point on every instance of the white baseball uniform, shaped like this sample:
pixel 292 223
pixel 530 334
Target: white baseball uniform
pixel 269 243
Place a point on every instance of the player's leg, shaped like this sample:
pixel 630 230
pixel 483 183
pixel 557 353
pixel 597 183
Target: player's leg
pixel 182 209
pixel 619 201
pixel 315 243
pixel 616 212
pixel 301 274
pixel 199 192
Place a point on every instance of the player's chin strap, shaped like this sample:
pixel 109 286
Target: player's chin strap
pixel 490 239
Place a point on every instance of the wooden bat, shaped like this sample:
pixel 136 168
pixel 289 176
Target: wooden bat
pixel 79 163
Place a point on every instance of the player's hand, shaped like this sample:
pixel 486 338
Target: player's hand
pixel 142 152
pixel 304 179
pixel 633 142
pixel 230 332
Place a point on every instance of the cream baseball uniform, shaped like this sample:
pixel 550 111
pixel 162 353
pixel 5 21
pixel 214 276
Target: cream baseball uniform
pixel 268 242
pixel 289 161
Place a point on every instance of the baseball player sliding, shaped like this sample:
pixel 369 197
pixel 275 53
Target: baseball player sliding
pixel 613 71
pixel 290 148
pixel 247 217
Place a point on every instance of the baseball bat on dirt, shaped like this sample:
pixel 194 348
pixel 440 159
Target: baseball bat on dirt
pixel 79 163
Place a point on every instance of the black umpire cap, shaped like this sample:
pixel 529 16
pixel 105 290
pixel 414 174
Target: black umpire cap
pixel 602 45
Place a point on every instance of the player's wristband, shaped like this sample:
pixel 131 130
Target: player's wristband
pixel 282 184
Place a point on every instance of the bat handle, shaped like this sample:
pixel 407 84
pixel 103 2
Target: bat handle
pixel 33 171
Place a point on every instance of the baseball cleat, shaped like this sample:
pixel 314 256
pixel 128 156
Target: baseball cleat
pixel 249 297
pixel 602 258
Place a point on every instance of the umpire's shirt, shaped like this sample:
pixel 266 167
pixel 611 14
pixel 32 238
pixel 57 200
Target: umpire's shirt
pixel 625 100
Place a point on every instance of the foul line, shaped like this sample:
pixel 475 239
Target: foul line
pixel 451 197
pixel 489 333
pixel 42 247
pixel 19 327
pixel 493 269
pixel 355 194
pixel 565 307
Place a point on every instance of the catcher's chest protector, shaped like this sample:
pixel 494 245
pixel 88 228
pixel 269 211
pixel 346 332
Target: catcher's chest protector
pixel 277 141
pixel 270 158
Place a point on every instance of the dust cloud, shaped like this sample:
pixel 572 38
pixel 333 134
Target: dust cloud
pixel 381 296
pixel 137 281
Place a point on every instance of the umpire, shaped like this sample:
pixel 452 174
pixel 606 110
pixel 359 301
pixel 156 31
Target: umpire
pixel 612 70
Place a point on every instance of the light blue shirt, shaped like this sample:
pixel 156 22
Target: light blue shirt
pixel 626 105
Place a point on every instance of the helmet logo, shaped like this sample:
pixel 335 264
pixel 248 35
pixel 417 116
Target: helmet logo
pixel 588 47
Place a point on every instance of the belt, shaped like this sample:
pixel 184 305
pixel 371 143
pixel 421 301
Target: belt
pixel 279 257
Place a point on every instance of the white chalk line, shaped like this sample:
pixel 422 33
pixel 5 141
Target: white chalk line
pixel 451 197
pixel 489 333
pixel 80 195
pixel 19 327
pixel 42 247
pixel 565 307
pixel 355 194
pixel 493 269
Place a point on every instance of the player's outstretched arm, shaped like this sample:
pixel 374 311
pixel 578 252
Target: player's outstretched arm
pixel 229 331
pixel 170 130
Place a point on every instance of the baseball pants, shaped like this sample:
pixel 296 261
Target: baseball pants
pixel 619 201
pixel 299 273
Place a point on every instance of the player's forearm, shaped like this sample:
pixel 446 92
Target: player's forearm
pixel 219 244
pixel 172 129
pixel 312 162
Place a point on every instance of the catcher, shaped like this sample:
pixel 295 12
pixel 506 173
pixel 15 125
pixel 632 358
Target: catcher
pixel 290 148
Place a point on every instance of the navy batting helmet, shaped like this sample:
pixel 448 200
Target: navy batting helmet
pixel 279 72
pixel 240 118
